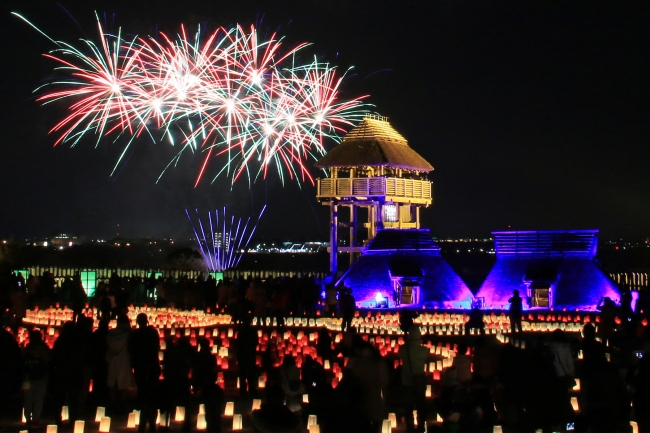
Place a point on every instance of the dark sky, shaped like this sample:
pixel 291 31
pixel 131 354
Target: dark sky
pixel 535 115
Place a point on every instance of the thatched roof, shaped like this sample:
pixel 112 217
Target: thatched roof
pixel 374 143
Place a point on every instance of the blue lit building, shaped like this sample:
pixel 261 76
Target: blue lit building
pixel 551 269
pixel 403 268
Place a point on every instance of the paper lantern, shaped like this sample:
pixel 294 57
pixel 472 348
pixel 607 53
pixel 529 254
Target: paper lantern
pixel 130 422
pixel 158 418
pixel 164 419
pixel 201 424
pixel 415 417
pixel 497 429
pixel 428 392
pixel 65 414
pixel 311 420
pixel 23 419
pixel 236 422
pixel 305 398
pixel 180 414
pixel 52 428
pixel 326 364
pixel 257 404
pixel 393 420
pixel 438 418
pixel 314 428
pixel 230 409
pixel 385 426
pixel 576 387
pixel 101 411
pixel 79 426
pixel 574 404
pixel 24 431
pixel 201 408
pixel 260 382
pixel 635 427
pixel 105 425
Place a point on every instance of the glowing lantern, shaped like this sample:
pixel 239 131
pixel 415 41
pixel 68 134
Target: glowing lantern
pixel 415 417
pixel 257 404
pixel 385 426
pixel 393 420
pixel 23 417
pixel 260 382
pixel 180 414
pixel 101 411
pixel 438 418
pixel 65 413
pixel 497 429
pixel 201 424
pixel 105 425
pixel 574 404
pixel 314 428
pixel 130 422
pixel 236 422
pixel 326 365
pixel 576 387
pixel 137 417
pixel 52 428
pixel 311 420
pixel 165 419
pixel 305 398
pixel 230 409
pixel 635 427
pixel 201 408
pixel 428 392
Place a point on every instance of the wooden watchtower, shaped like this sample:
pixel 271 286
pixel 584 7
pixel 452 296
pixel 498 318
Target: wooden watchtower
pixel 379 178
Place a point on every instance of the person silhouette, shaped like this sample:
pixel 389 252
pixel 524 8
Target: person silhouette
pixel 515 311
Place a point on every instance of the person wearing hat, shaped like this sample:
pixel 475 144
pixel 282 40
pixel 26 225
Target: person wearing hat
pixel 414 357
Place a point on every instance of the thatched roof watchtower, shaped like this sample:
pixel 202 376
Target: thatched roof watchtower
pixel 374 171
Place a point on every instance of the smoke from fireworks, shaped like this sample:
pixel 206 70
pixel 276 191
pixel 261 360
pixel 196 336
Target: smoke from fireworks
pixel 228 95
pixel 221 238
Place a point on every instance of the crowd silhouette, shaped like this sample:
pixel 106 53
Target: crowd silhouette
pixel 522 388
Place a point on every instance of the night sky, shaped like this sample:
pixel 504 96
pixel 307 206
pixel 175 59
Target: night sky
pixel 534 114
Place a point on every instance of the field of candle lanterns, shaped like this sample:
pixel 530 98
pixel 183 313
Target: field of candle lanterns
pixel 442 331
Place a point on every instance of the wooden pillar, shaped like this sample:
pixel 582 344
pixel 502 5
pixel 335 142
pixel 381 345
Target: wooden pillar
pixel 379 215
pixel 334 217
pixel 353 231
pixel 417 217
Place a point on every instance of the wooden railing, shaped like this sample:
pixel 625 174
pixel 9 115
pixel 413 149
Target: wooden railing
pixel 374 186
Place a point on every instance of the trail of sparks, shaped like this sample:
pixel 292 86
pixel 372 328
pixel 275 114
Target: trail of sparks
pixel 229 96
pixel 222 240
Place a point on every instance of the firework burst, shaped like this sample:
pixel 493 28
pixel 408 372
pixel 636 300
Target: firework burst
pixel 243 103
